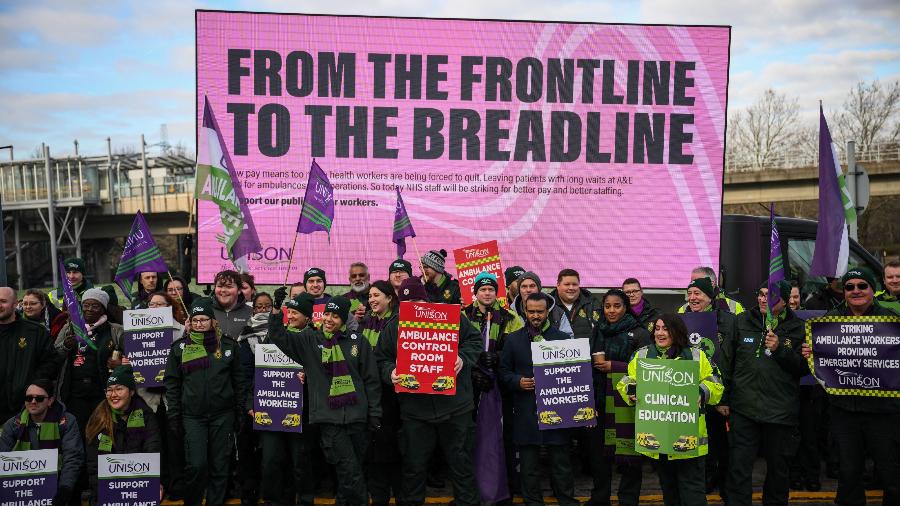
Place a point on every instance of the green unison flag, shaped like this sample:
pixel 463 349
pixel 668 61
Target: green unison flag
pixel 667 418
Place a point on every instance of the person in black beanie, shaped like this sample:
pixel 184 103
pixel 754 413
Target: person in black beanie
pixel 205 392
pixel 429 420
pixel 511 277
pixel 344 392
pixel 314 281
pixel 399 270
pixel 440 285
pixel 122 423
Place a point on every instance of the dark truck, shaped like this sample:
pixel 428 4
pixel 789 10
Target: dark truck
pixel 744 257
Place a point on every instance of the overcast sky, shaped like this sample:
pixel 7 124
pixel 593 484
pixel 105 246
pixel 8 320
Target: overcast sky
pixel 90 69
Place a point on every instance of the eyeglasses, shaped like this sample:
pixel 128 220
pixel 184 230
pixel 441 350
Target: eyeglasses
pixel 201 320
pixel 849 287
pixel 35 398
pixel 632 292
pixel 116 390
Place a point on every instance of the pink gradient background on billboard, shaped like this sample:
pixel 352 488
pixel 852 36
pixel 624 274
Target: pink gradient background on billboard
pixel 664 224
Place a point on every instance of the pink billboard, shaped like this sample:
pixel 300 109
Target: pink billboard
pixel 597 147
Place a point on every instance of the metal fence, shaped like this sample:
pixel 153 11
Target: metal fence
pixel 805 157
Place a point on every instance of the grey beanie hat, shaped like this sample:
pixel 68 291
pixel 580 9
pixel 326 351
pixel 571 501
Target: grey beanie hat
pixel 532 276
pixel 96 294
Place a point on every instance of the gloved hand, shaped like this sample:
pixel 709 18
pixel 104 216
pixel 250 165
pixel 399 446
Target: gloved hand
pixel 489 359
pixel 374 423
pixel 481 380
pixel 280 295
pixel 62 496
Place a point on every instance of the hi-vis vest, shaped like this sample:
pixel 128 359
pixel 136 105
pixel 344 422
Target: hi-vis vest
pixel 734 307
pixel 711 388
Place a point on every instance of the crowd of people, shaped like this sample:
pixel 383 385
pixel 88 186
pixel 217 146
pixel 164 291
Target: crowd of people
pixel 80 396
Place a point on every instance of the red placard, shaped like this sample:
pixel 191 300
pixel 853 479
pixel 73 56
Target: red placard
pixel 427 348
pixel 318 314
pixel 472 261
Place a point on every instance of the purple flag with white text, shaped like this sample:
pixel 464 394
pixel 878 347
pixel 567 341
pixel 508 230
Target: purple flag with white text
pixel 141 254
pixel 317 212
pixel 402 226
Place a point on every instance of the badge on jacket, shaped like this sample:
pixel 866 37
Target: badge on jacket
pixel 446 294
pixel 354 350
pixel 695 338
pixel 22 343
pixel 218 354
pixel 582 314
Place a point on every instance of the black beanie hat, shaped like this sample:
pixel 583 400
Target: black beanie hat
pixel 705 286
pixel 74 264
pixel 340 306
pixel 863 273
pixel 122 375
pixel 400 265
pixel 202 306
pixel 314 272
pixel 511 274
pixel 303 303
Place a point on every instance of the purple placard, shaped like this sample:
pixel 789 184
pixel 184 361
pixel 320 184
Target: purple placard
pixel 563 384
pixel 703 333
pixel 28 477
pixel 856 355
pixel 128 479
pixel 148 335
pixel 277 391
pixel 809 314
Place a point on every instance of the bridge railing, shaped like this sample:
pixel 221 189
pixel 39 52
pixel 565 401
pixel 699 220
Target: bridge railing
pixel 799 157
pixel 72 182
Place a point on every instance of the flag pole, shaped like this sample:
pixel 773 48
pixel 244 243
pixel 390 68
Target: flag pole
pixel 290 259
pixel 181 299
pixel 418 256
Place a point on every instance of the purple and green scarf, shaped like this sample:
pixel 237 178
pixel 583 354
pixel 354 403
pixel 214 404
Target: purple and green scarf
pixel 341 392
pixel 195 355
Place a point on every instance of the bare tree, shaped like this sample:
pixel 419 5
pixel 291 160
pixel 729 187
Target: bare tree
pixel 765 128
pixel 126 149
pixel 870 114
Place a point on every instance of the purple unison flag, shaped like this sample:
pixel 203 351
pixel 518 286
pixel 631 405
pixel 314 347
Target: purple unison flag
pixel 776 264
pixel 317 212
pixel 73 306
pixel 402 226
pixel 141 254
pixel 832 242
pixel 217 182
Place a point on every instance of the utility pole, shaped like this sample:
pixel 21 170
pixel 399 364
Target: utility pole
pixel 113 188
pixel 51 217
pixel 76 147
pixel 3 232
pixel 146 175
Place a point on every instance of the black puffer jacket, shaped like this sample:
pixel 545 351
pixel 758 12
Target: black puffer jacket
pixel 760 387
